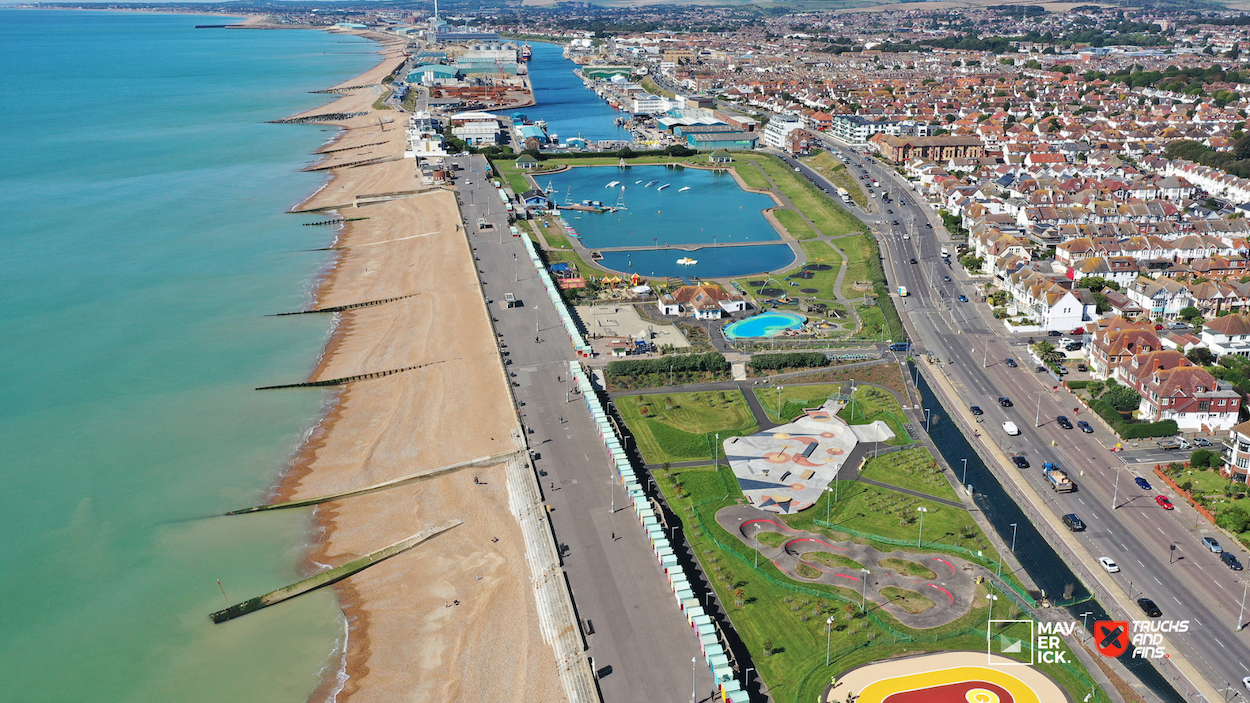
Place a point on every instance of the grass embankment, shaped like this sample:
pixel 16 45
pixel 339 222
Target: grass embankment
pixel 857 251
pixel 794 224
pixel 752 176
pixel 836 172
pixel 671 427
pixel 913 469
pixel 380 103
pixel 782 621
pixel 652 87
pixel 872 404
pixel 792 399
pixel 829 218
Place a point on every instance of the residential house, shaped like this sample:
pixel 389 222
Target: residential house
pixel 703 302
pixel 1116 340
pixel 1227 335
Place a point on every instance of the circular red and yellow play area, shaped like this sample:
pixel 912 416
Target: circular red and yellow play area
pixel 950 677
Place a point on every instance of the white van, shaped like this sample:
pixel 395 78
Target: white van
pixel 1010 428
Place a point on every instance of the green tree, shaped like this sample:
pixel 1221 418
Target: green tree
pixel 1047 352
pixel 1190 313
pixel 1200 356
pixel 1233 519
pixel 1123 398
pixel 1203 459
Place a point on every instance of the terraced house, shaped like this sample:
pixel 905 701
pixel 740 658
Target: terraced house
pixel 1117 340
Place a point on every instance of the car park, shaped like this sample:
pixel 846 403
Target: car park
pixel 976 410
pixel 1004 401
pixel 1084 427
pixel 1141 483
pixel 1020 462
pixel 1108 565
pixel 1164 502
pixel 1212 545
pixel 1073 523
pixel 1230 560
pixel 1149 608
pixel 1064 422
pixel 1010 362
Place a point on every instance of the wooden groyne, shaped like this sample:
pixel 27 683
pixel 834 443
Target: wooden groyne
pixel 342 308
pixel 349 379
pixel 327 577
pixel 491 460
pixel 323 117
pixel 334 221
pixel 352 164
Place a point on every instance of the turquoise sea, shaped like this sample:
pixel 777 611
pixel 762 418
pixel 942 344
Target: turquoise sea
pixel 145 244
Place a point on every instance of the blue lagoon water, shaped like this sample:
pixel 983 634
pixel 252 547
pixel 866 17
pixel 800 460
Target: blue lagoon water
pixel 719 262
pixel 715 209
pixel 146 240
pixel 568 106
pixel 767 324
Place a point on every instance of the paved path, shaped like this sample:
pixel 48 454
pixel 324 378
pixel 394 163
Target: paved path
pixel 642 645
pixel 951 589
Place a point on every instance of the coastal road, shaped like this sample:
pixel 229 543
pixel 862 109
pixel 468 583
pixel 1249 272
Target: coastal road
pixel 1188 583
pixel 640 644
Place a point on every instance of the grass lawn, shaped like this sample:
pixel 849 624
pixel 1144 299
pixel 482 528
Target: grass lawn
pixel 836 171
pixel 913 469
pixel 872 404
pixel 555 239
pixel 829 218
pixel 794 224
pixel 910 601
pixel 680 426
pixel 772 539
pixel 834 560
pixel 817 253
pixel 806 571
pixel 515 176
pixel 874 324
pixel 752 176
pixel 794 398
pixel 572 257
pixel 857 251
pixel 782 620
pixel 906 567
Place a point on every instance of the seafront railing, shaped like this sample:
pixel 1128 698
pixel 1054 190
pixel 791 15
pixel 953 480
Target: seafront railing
pixel 683 593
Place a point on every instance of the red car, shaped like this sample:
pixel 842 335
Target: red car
pixel 1163 502
pixel 1079 330
pixel 1158 327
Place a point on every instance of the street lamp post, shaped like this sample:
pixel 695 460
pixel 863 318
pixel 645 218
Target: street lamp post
pixel 779 389
pixel 827 492
pixel 991 598
pixel 693 662
pixel 1115 495
pixel 1013 538
pixel 828 634
pixel 863 592
pixel 928 416
pixel 920 537
pixel 516 270
pixel 985 360
pixel 1037 422
pixel 1241 613
pixel 965 479
pixel 536 329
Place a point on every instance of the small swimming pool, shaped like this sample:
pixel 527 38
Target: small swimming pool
pixel 766 324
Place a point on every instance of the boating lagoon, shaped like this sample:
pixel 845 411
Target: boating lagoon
pixel 670 206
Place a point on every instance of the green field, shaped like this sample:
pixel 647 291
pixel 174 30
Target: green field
pixel 794 224
pixel 794 399
pixel 910 601
pixel 782 620
pixel 836 172
pixel 752 176
pixel 681 426
pixel 857 252
pixel 817 253
pixel 913 469
pixel 872 404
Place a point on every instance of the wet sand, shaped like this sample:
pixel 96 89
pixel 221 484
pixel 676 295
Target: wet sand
pixel 407 639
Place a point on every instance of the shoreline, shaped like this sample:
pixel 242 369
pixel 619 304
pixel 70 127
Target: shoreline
pixel 404 635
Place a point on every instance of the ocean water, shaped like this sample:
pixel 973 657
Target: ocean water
pixel 715 209
pixel 564 101
pixel 146 241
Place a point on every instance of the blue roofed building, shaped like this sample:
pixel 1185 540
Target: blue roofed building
pixel 433 74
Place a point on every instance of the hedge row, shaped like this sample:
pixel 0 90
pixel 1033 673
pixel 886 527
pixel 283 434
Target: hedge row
pixel 1078 384
pixel 795 360
pixel 712 362
pixel 1163 428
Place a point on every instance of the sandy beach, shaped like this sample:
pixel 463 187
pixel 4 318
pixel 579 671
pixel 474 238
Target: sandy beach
pixel 408 639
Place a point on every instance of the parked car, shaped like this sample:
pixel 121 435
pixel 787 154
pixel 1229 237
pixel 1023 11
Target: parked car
pixel 1141 483
pixel 1073 346
pixel 1084 427
pixel 1040 369
pixel 1148 607
pixel 1163 502
pixel 976 410
pixel 1230 560
pixel 1010 362
pixel 1201 442
pixel 1082 368
pixel 1079 330
pixel 1064 422
pixel 1055 333
pixel 1020 462
pixel 1108 565
pixel 1158 327
pixel 1073 523
pixel 1212 545
pixel 1004 401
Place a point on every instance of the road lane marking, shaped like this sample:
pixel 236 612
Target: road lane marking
pixel 1217 641
pixel 1156 578
pixel 1173 597
pixel 1217 583
pixel 1082 500
pixel 1160 529
pixel 1121 544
